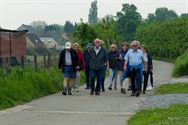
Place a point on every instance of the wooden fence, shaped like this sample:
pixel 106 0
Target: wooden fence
pixel 35 61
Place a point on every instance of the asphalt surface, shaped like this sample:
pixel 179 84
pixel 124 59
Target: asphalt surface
pixel 110 108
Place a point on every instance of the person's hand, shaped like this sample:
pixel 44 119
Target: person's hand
pixel 124 67
pixel 77 67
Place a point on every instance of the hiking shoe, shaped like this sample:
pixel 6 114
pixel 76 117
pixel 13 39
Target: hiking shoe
pixel 129 89
pixel 137 93
pixel 64 93
pixel 97 93
pixel 144 92
pixel 87 87
pixel 133 94
pixel 124 91
pixel 115 88
pixel 103 90
pixel 110 88
pixel 91 93
pixel 70 93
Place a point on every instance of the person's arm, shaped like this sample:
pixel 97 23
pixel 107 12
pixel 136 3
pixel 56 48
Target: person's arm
pixel 125 64
pixel 126 58
pixel 145 61
pixel 60 60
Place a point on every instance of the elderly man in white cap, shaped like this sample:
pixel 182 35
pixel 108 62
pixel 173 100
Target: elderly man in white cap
pixel 68 62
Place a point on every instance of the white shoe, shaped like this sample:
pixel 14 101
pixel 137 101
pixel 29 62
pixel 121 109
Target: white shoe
pixel 149 88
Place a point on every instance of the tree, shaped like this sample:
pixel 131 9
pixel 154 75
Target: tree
pixel 151 17
pixel 68 27
pixel 163 14
pixel 184 15
pixel 92 17
pixel 107 30
pixel 55 28
pixel 128 20
pixel 84 33
pixel 39 26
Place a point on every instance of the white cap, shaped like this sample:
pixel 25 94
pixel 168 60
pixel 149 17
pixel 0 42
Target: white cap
pixel 67 45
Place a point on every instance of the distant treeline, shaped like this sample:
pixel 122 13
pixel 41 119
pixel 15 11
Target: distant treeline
pixel 165 40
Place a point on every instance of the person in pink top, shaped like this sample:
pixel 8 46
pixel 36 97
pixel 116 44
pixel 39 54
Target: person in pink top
pixel 81 64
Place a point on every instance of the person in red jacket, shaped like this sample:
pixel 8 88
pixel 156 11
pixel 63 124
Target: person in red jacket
pixel 81 64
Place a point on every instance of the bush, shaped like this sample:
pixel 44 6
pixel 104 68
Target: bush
pixel 181 65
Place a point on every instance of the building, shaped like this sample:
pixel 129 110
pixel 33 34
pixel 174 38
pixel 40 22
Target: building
pixel 35 44
pixel 49 42
pixel 12 43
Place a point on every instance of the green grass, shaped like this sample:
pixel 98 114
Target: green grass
pixel 181 66
pixel 22 85
pixel 174 115
pixel 172 88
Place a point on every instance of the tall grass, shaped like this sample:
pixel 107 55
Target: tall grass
pixel 181 66
pixel 22 85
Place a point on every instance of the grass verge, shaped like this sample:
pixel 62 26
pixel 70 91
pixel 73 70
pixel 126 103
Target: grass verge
pixel 22 85
pixel 177 88
pixel 174 115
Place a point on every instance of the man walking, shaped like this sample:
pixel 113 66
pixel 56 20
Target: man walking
pixel 68 62
pixel 136 59
pixel 87 54
pixel 98 58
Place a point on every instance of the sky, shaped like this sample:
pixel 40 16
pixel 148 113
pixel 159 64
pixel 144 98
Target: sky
pixel 14 13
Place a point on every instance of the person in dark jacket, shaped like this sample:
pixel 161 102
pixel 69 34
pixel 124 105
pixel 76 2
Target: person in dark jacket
pixel 149 71
pixel 87 54
pixel 98 58
pixel 112 57
pixel 68 63
pixel 120 64
pixel 103 72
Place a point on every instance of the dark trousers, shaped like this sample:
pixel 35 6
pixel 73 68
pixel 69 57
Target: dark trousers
pixel 87 73
pixel 136 80
pixel 103 74
pixel 146 77
pixel 151 78
pixel 95 74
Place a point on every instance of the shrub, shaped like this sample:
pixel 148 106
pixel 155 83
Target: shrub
pixel 181 65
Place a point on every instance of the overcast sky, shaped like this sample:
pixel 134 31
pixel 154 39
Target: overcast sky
pixel 13 13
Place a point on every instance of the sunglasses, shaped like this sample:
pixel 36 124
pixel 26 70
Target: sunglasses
pixel 134 45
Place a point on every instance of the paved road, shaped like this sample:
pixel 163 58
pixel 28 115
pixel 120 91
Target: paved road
pixel 110 108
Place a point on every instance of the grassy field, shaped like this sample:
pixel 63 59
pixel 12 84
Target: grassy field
pixel 172 89
pixel 174 115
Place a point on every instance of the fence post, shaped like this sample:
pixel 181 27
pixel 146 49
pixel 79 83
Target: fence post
pixel 35 62
pixel 22 61
pixel 45 62
pixel 7 64
pixel 49 61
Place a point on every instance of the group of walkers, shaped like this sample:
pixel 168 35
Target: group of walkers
pixel 132 63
